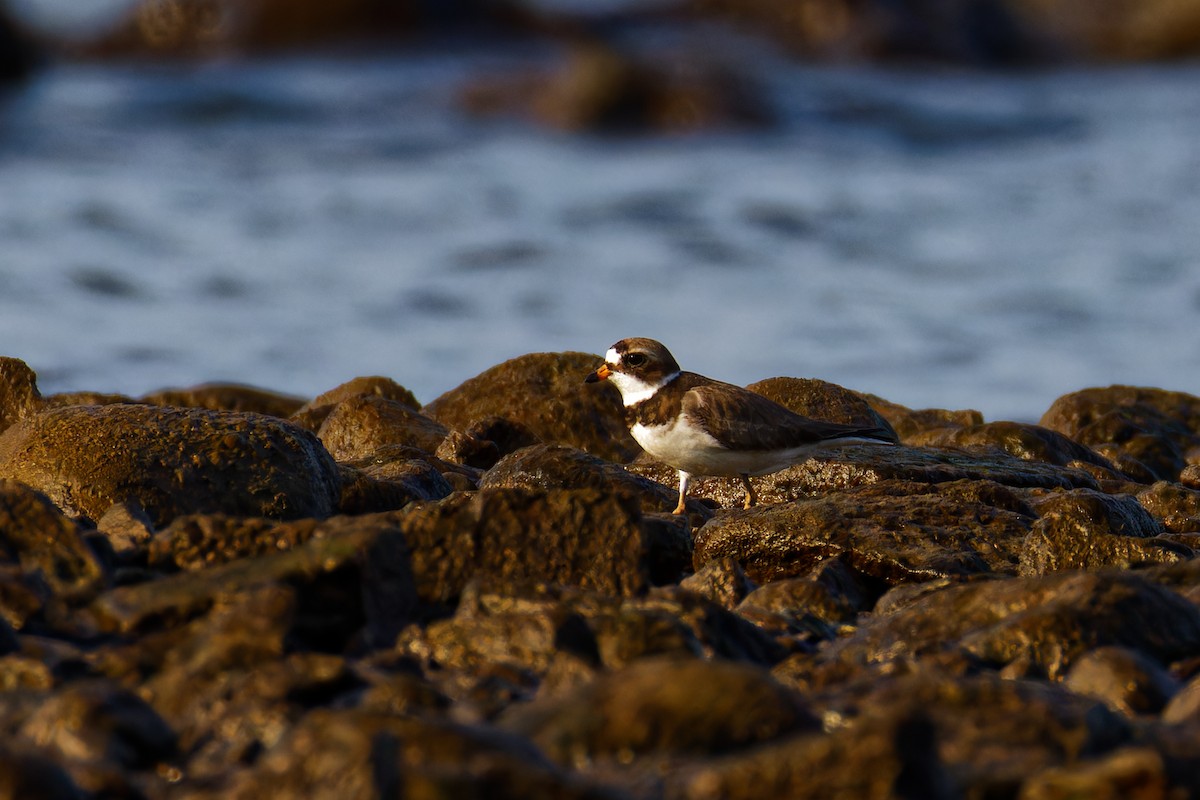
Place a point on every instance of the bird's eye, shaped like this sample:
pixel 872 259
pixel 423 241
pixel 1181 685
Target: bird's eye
pixel 635 360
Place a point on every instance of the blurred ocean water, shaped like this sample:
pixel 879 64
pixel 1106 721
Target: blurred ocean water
pixel 952 239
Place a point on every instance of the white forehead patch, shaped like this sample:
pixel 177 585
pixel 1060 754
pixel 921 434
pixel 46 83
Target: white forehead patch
pixel 612 357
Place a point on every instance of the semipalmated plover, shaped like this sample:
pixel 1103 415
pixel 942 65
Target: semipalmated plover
pixel 701 426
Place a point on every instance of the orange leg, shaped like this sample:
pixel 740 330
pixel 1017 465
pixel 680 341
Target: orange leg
pixel 683 484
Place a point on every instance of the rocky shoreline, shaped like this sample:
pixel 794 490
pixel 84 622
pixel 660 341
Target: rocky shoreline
pixel 224 592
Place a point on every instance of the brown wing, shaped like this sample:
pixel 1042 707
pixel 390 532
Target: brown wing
pixel 741 419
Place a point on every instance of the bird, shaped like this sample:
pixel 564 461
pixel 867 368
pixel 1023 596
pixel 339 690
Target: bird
pixel 705 427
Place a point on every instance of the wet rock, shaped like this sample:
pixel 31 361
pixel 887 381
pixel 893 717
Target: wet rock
pixel 361 424
pixel 721 580
pixel 1028 442
pixel 1175 507
pixel 547 467
pixel 352 754
pixel 127 528
pixel 188 28
pixel 1190 477
pixel 820 400
pixel 1152 426
pixel 97 721
pixel 197 541
pixel 1083 529
pixel 19 395
pixel 908 422
pixel 1040 625
pixel 888 757
pixel 508 436
pixel 229 686
pixel 533 630
pixel 386 481
pixel 990 32
pixel 314 412
pixel 171 461
pixel 227 397
pixel 1184 704
pixel 42 555
pixel 580 537
pixel 840 467
pixel 991 733
pixel 353 573
pixel 27 775
pixel 543 393
pixel 662 706
pixel 833 592
pixel 462 448
pixel 1124 773
pixel 1125 680
pixel 85 398
pixel 890 536
pixel 599 88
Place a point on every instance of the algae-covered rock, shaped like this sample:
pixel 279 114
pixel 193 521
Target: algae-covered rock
pixel 227 397
pixel 19 395
pixel 171 461
pixel 545 394
pixel 363 423
pixel 913 534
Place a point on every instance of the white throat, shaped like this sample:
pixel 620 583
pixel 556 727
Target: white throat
pixel 635 390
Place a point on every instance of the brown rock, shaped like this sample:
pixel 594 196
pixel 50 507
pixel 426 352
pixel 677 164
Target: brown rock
pixel 822 400
pixel 559 467
pixel 832 592
pixel 721 580
pixel 662 706
pixel 991 733
pixel 361 424
pixel 44 552
pixel 1130 772
pixel 85 398
pixel 96 721
pixel 891 538
pixel 314 412
pixel 1173 506
pixel 1043 624
pixel 171 461
pixel 188 28
pixel 351 754
pixel 582 537
pixel 600 88
pixel 1083 529
pixel 127 528
pixel 1152 426
pixel 355 571
pixel 1125 680
pixel 908 422
pixel 888 757
pixel 544 393
pixel 840 467
pixel 1028 442
pixel 532 629
pixel 1190 477
pixel 1184 705
pixel 227 397
pixel 19 395
pixel 28 775
pixel 382 482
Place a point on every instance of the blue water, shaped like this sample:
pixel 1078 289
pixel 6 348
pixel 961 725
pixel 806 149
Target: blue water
pixel 949 239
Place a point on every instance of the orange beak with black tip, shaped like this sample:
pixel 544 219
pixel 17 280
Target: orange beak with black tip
pixel 599 375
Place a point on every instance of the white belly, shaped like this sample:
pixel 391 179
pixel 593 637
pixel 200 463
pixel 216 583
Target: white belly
pixel 694 451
